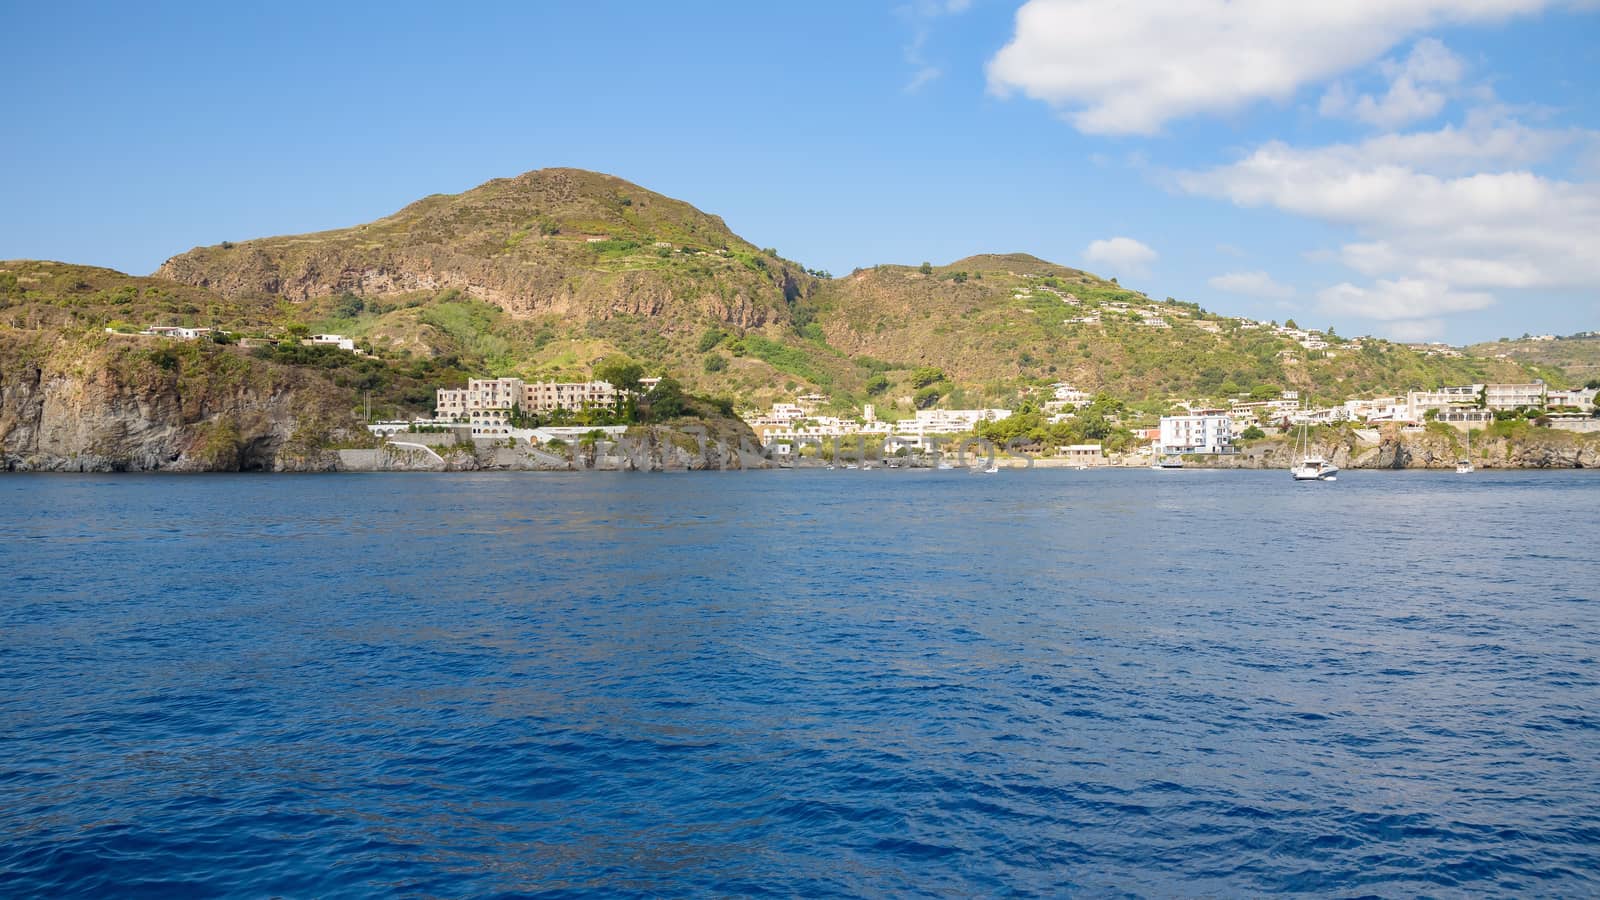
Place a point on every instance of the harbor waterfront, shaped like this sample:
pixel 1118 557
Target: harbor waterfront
pixel 1113 681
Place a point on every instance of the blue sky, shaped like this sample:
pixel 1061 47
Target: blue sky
pixel 1413 168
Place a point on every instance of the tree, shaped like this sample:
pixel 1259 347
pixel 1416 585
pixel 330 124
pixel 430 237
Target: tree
pixel 1253 433
pixel 877 384
pixel 926 375
pixel 926 268
pixel 716 362
pixel 620 372
pixel 665 400
pixel 1289 323
pixel 349 306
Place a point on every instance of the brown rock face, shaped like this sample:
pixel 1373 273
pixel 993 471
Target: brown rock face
pixel 65 406
pixel 559 241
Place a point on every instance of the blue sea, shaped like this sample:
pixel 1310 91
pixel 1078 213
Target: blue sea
pixel 1046 683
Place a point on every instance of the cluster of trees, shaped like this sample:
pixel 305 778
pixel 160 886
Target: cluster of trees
pixel 1096 422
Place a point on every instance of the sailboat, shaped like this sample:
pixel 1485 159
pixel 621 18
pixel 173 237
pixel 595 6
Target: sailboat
pixel 1464 464
pixel 1308 466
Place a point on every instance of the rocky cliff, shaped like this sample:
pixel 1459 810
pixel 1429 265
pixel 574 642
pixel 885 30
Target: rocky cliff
pixel 1436 448
pixel 102 403
pixel 705 445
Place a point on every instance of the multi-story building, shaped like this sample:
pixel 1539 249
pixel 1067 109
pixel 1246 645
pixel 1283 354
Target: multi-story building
pixel 479 394
pixel 549 395
pixel 1580 398
pixel 1514 396
pixel 505 394
pixel 1419 402
pixel 948 421
pixel 1207 433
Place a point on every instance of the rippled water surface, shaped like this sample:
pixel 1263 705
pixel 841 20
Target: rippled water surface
pixel 857 683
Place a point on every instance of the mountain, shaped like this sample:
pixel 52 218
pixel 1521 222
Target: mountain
pixel 543 274
pixel 547 274
pixel 560 242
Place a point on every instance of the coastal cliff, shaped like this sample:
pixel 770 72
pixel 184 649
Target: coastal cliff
pixel 1438 447
pixel 102 403
pixel 696 445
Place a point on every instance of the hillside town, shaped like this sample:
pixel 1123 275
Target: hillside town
pixel 786 430
pixel 539 412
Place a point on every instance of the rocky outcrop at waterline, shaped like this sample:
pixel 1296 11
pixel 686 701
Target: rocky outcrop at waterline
pixel 101 403
pixel 1437 447
pixel 97 402
pixel 690 447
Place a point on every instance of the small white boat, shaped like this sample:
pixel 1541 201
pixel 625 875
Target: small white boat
pixel 1464 464
pixel 1170 461
pixel 991 470
pixel 944 467
pixel 1315 468
pixel 1309 466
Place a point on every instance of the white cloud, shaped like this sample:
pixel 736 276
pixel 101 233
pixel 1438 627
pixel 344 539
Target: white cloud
pixel 1442 218
pixel 1418 89
pixel 1405 298
pixel 1507 229
pixel 1252 284
pixel 1121 255
pixel 1415 330
pixel 1127 68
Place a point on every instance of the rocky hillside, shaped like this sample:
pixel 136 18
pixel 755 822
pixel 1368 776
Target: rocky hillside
pixel 98 402
pixel 74 396
pixel 562 242
pixel 1006 320
pixel 1576 356
pixel 548 273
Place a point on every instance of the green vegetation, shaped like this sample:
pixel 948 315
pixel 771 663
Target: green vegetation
pixel 572 270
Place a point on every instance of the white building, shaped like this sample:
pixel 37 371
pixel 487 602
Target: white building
pixel 1514 396
pixel 1419 402
pixel 545 396
pixel 177 332
pixel 504 394
pixel 1378 409
pixel 332 340
pixel 1211 433
pixel 1581 398
pixel 1084 454
pixel 948 421
pixel 1069 395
